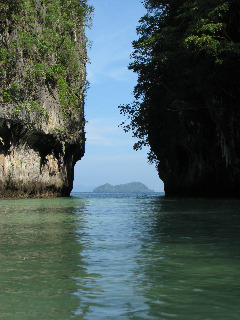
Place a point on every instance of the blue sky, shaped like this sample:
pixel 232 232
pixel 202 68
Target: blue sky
pixel 109 156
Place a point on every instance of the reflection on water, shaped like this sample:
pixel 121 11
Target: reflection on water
pixel 40 254
pixel 119 257
pixel 190 259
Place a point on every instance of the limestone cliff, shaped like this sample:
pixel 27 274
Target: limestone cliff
pixel 187 101
pixel 42 77
pixel 198 152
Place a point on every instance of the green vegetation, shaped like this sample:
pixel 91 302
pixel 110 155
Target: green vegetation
pixel 42 44
pixel 187 59
pixel 126 188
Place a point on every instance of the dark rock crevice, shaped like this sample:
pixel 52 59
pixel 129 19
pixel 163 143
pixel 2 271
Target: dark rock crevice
pixel 200 158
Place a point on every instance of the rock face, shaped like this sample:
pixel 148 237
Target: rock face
pixel 187 101
pixel 35 160
pixel 42 66
pixel 200 155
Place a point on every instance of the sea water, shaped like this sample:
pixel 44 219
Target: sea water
pixel 120 256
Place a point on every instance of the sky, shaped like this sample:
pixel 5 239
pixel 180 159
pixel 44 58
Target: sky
pixel 109 155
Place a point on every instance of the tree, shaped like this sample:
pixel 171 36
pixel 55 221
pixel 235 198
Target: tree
pixel 42 43
pixel 187 97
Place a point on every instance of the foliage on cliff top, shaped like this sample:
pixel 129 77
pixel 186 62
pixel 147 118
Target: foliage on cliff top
pixel 187 59
pixel 42 44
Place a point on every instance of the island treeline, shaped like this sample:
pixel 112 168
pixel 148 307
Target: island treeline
pixel 126 188
pixel 187 98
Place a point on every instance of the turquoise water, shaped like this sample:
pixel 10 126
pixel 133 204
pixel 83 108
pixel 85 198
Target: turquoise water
pixel 120 256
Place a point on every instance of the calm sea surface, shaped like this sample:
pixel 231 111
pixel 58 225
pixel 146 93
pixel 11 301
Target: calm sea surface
pixel 138 256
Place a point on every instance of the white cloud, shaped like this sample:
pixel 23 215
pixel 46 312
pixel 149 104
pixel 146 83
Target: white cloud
pixel 109 56
pixel 135 156
pixel 115 68
pixel 119 74
pixel 105 132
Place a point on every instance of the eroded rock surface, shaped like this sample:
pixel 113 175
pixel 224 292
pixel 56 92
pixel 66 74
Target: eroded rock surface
pixel 41 97
pixel 36 159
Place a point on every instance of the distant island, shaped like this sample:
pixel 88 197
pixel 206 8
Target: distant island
pixel 126 188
